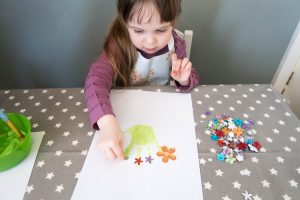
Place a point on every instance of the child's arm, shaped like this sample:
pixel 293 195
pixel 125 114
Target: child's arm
pixel 97 86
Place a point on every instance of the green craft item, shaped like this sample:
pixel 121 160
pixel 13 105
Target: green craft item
pixel 13 150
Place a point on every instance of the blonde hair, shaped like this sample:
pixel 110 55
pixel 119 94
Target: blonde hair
pixel 118 47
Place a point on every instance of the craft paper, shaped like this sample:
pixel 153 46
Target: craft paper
pixel 13 182
pixel 160 142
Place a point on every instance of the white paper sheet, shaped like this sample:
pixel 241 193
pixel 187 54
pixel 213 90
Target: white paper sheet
pixel 171 117
pixel 13 182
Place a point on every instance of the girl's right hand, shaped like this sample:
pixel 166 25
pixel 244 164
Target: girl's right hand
pixel 110 139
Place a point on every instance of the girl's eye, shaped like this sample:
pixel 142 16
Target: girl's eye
pixel 138 31
pixel 161 30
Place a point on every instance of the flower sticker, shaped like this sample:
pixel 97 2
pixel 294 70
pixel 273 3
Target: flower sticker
pixel 166 154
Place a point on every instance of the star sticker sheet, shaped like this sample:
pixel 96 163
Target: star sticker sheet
pixel 161 150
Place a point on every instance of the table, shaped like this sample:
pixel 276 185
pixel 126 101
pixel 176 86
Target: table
pixel 273 173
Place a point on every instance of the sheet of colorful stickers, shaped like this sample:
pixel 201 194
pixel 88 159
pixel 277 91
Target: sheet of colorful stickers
pixel 234 136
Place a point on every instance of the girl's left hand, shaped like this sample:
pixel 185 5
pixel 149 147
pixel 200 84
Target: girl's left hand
pixel 181 70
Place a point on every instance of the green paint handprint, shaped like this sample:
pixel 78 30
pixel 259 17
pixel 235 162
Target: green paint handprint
pixel 141 135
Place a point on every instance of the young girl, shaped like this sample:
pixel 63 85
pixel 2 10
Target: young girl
pixel 141 48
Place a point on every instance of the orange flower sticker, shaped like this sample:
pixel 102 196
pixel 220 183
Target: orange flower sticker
pixel 238 131
pixel 226 130
pixel 166 154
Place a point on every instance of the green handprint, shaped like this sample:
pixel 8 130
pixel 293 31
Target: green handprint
pixel 140 135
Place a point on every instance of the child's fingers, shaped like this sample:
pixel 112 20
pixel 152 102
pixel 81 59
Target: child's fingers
pixel 176 65
pixel 185 61
pixel 118 152
pixel 109 153
pixel 188 66
pixel 174 62
pixel 173 58
pixel 175 68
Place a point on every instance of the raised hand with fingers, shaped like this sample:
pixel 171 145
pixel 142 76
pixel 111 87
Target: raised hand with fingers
pixel 181 69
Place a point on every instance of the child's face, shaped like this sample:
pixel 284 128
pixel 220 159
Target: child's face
pixel 151 34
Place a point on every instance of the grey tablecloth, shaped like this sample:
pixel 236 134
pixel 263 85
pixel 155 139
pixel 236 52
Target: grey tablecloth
pixel 273 173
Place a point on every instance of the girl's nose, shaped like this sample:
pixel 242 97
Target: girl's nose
pixel 150 40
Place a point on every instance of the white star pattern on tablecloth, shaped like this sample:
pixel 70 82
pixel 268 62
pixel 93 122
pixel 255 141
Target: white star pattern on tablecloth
pixel 84 152
pixel 286 197
pixel 50 142
pixel 41 163
pixel 247 196
pixel 293 183
pixel 80 125
pixel 287 149
pixel 29 189
pixel 280 159
pixel 68 163
pixel 75 142
pixel 213 150
pixel 236 185
pixel 207 186
pixel 265 183
pixel 203 116
pixel 226 198
pixel 59 188
pixel 58 153
pixel 274 171
pixel 219 172
pixel 293 139
pixel 245 172
pixel 270 140
pixel 51 117
pixel 256 197
pixel 35 125
pixel 287 114
pixel 58 125
pixel 66 133
pixel 245 116
pixel 202 161
pixel 77 175
pixel 199 102
pixel 276 131
pixel 50 176
pixel 272 123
